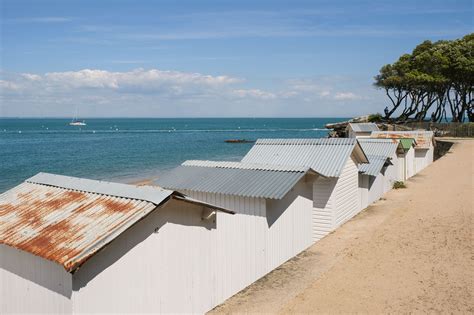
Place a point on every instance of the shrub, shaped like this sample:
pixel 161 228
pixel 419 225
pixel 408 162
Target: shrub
pixel 375 118
pixel 399 184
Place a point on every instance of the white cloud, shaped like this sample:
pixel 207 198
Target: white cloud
pixel 254 93
pixel 7 85
pixel 138 80
pixel 163 93
pixel 324 88
pixel 344 96
pixel 32 77
pixel 324 93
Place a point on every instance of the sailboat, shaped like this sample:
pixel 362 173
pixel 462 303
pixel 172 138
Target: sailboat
pixel 76 122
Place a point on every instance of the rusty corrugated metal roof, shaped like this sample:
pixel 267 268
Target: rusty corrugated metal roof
pixel 424 139
pixel 69 224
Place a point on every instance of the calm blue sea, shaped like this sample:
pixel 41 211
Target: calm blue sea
pixel 125 150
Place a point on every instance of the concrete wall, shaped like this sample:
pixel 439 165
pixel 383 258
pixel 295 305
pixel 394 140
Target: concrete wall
pixel 30 284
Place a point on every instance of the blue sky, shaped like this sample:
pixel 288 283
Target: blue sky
pixel 209 58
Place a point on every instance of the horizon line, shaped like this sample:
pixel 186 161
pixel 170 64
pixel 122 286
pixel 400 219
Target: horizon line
pixel 141 117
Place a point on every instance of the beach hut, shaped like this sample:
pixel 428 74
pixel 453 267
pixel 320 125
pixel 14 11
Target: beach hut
pixel 424 145
pixel 406 158
pixel 70 245
pixel 354 130
pixel 377 177
pixel 336 160
pixel 272 221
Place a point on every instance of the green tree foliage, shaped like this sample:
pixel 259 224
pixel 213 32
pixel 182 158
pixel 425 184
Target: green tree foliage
pixel 434 78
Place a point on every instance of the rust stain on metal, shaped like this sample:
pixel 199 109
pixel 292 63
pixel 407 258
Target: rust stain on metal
pixel 115 206
pixel 422 140
pixel 61 225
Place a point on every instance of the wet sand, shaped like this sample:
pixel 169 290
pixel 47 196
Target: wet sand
pixel 412 251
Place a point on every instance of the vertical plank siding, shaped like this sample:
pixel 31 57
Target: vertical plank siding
pixel 164 264
pixel 335 200
pixel 391 173
pixel 363 191
pixel 406 162
pixel 347 193
pixel 30 284
pixel 423 158
pixel 402 171
pixel 410 163
pixel 323 207
pixel 261 236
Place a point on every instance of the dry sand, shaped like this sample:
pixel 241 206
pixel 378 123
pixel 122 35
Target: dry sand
pixel 142 182
pixel 410 252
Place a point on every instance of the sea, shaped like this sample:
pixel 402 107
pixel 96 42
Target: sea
pixel 131 149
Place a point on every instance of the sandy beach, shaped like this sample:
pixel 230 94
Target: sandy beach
pixel 412 251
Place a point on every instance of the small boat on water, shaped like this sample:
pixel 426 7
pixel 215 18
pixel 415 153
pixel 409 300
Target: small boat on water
pixel 238 141
pixel 76 122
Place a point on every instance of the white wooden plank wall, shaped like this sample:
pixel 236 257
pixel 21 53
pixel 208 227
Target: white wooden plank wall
pixel 30 284
pixel 323 207
pixel 347 193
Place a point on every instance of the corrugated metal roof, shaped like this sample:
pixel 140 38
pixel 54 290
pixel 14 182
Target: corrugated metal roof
pixel 242 181
pixel 424 139
pixel 246 166
pixel 363 127
pixel 378 151
pixel 155 195
pixel 380 147
pixel 375 165
pixel 69 224
pixel 326 156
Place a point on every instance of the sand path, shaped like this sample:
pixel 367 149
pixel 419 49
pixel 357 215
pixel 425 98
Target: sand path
pixel 412 251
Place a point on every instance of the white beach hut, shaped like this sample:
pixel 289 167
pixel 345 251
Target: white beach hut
pixel 272 221
pixel 406 158
pixel 70 246
pixel 354 130
pixel 377 177
pixel 424 145
pixel 335 191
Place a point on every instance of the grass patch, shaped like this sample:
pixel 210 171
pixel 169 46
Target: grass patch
pixel 399 185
